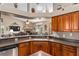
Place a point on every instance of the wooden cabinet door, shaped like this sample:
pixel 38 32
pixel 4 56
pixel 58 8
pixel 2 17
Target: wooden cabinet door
pixel 60 23
pixel 66 20
pixel 34 47
pixel 52 48
pixel 56 49
pixel 64 23
pixel 37 46
pixel 68 53
pixel 45 47
pixel 75 21
pixel 55 24
pixel 23 49
pixel 69 50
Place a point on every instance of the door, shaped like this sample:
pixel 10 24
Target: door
pixel 56 49
pixel 23 49
pixel 64 23
pixel 34 47
pixel 66 20
pixel 60 23
pixel 75 21
pixel 45 47
pixel 37 46
pixel 69 50
pixel 55 24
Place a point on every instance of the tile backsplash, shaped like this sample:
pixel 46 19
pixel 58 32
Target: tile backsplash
pixel 70 35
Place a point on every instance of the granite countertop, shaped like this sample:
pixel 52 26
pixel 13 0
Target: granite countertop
pixel 12 41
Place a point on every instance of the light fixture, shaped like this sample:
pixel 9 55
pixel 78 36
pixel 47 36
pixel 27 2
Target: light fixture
pixel 11 30
pixel 45 8
pixel 27 22
pixel 49 8
pixel 39 8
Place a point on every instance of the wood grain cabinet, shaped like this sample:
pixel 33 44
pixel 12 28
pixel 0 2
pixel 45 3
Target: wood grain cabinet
pixel 52 48
pixel 66 23
pixel 56 49
pixel 60 23
pixel 37 46
pixel 55 23
pixel 69 50
pixel 23 49
pixel 75 21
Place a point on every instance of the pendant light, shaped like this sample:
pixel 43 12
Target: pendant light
pixel 27 22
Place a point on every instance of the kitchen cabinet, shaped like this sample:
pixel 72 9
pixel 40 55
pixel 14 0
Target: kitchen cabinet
pixel 23 49
pixel 75 21
pixel 37 46
pixel 56 49
pixel 60 23
pixel 52 48
pixel 55 23
pixel 66 23
pixel 69 50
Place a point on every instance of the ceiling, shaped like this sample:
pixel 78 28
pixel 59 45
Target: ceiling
pixel 41 9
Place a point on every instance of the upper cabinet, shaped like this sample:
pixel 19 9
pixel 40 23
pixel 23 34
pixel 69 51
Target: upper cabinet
pixel 75 21
pixel 66 23
pixel 54 23
pixel 60 23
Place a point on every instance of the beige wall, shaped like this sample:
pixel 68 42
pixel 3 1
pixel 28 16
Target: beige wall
pixel 8 20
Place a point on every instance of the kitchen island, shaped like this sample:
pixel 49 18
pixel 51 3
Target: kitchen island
pixel 29 44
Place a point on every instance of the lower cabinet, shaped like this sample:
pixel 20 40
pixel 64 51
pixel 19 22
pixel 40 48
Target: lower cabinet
pixel 23 49
pixel 69 50
pixel 52 48
pixel 56 49
pixel 37 46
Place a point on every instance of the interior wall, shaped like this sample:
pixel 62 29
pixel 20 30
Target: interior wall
pixel 22 7
pixel 8 20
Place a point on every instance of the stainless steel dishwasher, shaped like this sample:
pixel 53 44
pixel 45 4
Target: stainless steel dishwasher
pixel 10 50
